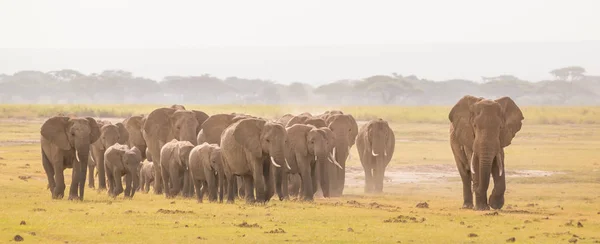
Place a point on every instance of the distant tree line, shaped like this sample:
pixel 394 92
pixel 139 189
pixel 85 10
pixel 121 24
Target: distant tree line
pixel 571 86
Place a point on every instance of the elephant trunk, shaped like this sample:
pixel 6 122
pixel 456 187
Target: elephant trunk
pixel 341 152
pixel 82 153
pixel 136 180
pixel 277 157
pixel 188 133
pixel 486 159
pixel 377 147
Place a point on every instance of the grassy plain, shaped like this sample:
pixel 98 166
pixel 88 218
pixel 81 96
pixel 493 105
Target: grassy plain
pixel 547 209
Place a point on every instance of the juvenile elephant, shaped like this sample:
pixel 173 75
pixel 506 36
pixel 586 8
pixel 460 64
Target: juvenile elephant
pixel 375 143
pixel 109 135
pixel 309 150
pixel 66 143
pixel 146 176
pixel 134 125
pixel 345 129
pixel 206 169
pixel 174 157
pixel 165 124
pixel 249 147
pixel 480 129
pixel 121 161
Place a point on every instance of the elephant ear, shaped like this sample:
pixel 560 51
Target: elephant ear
pixel 123 134
pixel 55 130
pixel 201 117
pixel 297 138
pixel 513 118
pixel 215 125
pixel 134 129
pixel 460 117
pixel 247 133
pixel 316 122
pixel 296 120
pixel 353 129
pixel 158 123
pixel 94 129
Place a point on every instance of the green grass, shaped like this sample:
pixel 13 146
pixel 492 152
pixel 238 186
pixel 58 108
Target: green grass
pixel 540 207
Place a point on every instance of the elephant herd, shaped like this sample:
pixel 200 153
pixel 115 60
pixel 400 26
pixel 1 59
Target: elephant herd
pixel 187 152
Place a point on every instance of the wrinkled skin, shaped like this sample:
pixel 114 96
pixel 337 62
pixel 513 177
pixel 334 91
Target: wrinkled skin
pixel 206 169
pixel 345 129
pixel 121 161
pixel 146 176
pixel 165 124
pixel 174 157
pixel 109 135
pixel 375 143
pixel 309 150
pixel 480 130
pixel 249 147
pixel 66 143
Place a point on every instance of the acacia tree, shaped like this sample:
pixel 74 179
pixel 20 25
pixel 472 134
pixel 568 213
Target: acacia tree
pixel 570 73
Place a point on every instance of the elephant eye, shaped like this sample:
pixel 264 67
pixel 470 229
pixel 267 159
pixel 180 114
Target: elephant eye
pixel 73 133
pixel 268 140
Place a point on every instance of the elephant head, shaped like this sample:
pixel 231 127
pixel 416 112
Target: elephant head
pixel 313 141
pixel 111 134
pixel 486 127
pixel 182 153
pixel 134 126
pixel 168 123
pixel 378 137
pixel 72 133
pixel 260 137
pixel 213 127
pixel 132 159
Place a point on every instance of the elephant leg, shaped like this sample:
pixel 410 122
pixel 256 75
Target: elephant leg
pixel 49 172
pixel 231 188
pixel 128 186
pixel 239 186
pixel 204 189
pixel 111 185
pixel 307 190
pixel 91 169
pixel 497 197
pixel 186 185
pixel 165 182
pixel 75 180
pixel 199 193
pixel 324 180
pixel 99 158
pixel 159 182
pixel 176 180
pixel 118 183
pixel 59 178
pixel 249 185
pixel 462 164
pixel 142 181
pixel 211 185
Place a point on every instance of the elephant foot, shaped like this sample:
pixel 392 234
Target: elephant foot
pixel 467 205
pixel 74 198
pixel 230 202
pixel 91 186
pixel 496 202
pixel 482 207
pixel 58 196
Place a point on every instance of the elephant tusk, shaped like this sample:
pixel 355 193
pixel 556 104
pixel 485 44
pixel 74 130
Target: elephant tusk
pixel 500 164
pixel 373 153
pixel 287 164
pixel 333 153
pixel 275 164
pixel 471 164
pixel 385 153
pixel 77 156
pixel 93 161
pixel 332 160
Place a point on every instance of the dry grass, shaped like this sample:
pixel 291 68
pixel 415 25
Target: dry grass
pixel 542 209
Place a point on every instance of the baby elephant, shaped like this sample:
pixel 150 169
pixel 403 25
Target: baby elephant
pixel 121 161
pixel 146 176
pixel 174 157
pixel 206 170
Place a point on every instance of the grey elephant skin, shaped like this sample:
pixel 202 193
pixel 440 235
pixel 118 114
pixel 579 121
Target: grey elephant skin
pixel 109 135
pixel 249 147
pixel 309 150
pixel 66 143
pixel 165 124
pixel 206 170
pixel 375 144
pixel 174 157
pixel 345 129
pixel 146 176
pixel 120 161
pixel 134 125
pixel 480 129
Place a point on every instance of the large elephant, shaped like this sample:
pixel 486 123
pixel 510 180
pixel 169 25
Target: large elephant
pixel 345 129
pixel 309 150
pixel 165 124
pixel 120 161
pixel 134 125
pixel 206 169
pixel 480 129
pixel 109 135
pixel 174 158
pixel 249 147
pixel 375 143
pixel 66 143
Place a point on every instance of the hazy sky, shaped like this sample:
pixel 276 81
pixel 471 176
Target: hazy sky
pixel 310 41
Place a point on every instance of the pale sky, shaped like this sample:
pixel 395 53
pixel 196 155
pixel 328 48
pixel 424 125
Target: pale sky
pixel 309 41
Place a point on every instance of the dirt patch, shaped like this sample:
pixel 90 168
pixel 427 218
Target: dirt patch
pixel 276 231
pixel 422 205
pixel 167 211
pixel 404 219
pixel 246 225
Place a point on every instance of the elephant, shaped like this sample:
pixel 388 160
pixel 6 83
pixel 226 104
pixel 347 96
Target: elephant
pixel 174 157
pixel 480 129
pixel 306 120
pixel 120 161
pixel 66 143
pixel 309 150
pixel 285 119
pixel 146 176
pixel 375 144
pixel 165 124
pixel 206 169
pixel 134 125
pixel 345 128
pixel 109 135
pixel 248 147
